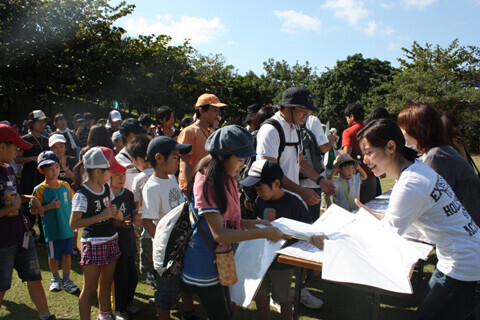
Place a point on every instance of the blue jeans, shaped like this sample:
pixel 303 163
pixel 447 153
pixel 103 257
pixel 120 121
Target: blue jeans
pixel 447 298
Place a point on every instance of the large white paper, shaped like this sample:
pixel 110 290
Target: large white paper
pixel 295 229
pixel 303 250
pixel 252 260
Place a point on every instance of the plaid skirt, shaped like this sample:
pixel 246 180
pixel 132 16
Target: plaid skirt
pixel 100 254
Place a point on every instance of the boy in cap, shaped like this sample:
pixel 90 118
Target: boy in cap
pixel 16 243
pixel 56 198
pixel 160 195
pixel 117 142
pixel 114 121
pixel 273 203
pixel 207 109
pixel 348 183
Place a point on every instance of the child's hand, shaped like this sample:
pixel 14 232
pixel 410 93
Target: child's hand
pixel 318 240
pixel 118 216
pixel 137 220
pixel 16 202
pixel 63 162
pixel 274 234
pixel 56 203
pixel 35 206
pixel 127 221
pixel 108 213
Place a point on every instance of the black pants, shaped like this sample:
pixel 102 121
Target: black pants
pixel 216 301
pixel 125 282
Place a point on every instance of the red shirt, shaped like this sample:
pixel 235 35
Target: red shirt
pixel 349 137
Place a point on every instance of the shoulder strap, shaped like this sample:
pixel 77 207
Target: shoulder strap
pixel 203 233
pixel 472 162
pixel 281 134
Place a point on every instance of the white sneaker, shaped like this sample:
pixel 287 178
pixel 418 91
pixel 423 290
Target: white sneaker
pixel 55 285
pixel 274 304
pixel 309 301
pixel 120 315
pixel 150 280
pixel 69 286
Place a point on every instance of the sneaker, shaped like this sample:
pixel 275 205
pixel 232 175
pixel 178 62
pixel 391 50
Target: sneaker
pixel 132 309
pixel 109 317
pixel 52 317
pixel 151 279
pixel 69 286
pixel 120 315
pixel 55 285
pixel 308 300
pixel 275 305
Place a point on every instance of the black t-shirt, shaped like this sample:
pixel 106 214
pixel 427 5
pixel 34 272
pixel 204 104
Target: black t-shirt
pixel 126 236
pixel 96 204
pixel 71 163
pixel 30 176
pixel 288 206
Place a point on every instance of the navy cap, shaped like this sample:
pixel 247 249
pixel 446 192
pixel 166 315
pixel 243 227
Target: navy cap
pixel 229 140
pixel 252 111
pixel 297 97
pixel 46 157
pixel 164 144
pixel 131 125
pixel 260 170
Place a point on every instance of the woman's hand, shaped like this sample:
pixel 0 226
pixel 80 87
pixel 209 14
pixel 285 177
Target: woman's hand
pixel 318 240
pixel 377 215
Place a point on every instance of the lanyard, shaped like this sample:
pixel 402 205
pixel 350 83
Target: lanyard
pixel 347 193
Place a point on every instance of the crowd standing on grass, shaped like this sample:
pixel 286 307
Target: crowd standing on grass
pixel 118 177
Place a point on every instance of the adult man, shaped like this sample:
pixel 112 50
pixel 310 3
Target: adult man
pixel 296 106
pixel 207 109
pixel 354 114
pixel 252 111
pixel 114 121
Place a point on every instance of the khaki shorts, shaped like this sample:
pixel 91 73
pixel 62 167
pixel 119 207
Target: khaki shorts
pixel 279 283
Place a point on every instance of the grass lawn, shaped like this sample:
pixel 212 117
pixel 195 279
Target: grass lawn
pixel 340 302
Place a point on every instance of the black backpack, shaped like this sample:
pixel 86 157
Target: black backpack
pixel 311 152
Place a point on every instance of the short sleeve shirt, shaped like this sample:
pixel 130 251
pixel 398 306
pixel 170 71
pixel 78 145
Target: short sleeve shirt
pixel 126 236
pixel 197 137
pixel 352 187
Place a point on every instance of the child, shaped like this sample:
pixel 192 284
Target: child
pixel 56 198
pixel 125 277
pixel 57 144
pixel 160 195
pixel 92 210
pixel 16 243
pixel 273 203
pixel 348 183
pixel 137 148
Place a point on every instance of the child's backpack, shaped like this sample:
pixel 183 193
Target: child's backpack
pixel 311 152
pixel 172 235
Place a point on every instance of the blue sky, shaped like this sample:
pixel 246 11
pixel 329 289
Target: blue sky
pixel 247 33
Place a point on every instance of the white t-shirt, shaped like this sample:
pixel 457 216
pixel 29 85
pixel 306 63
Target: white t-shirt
pixel 139 182
pixel 124 158
pixel 422 197
pixel 268 142
pixel 313 124
pixel 159 197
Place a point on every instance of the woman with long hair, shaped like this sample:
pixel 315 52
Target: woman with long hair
pixel 422 198
pixel 422 127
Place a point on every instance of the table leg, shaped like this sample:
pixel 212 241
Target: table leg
pixel 376 305
pixel 296 299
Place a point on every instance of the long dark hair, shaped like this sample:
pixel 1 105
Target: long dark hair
pixel 380 132
pixel 214 169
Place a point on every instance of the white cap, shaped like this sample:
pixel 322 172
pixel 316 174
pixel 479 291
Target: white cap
pixel 116 135
pixel 54 138
pixel 115 115
pixel 102 158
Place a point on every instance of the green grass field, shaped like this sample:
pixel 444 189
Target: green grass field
pixel 340 302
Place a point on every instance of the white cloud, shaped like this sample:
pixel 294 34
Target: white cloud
pixel 394 46
pixel 295 20
pixel 387 5
pixel 198 30
pixel 417 3
pixel 371 28
pixel 350 10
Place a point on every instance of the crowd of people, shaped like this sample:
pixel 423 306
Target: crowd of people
pixel 116 178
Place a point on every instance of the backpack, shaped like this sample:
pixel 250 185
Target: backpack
pixel 311 152
pixel 172 235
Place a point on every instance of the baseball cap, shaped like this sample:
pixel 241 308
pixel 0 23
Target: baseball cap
pixel 8 134
pixel 209 99
pixel 36 115
pixel 232 139
pixel 115 116
pixel 131 125
pixel 252 111
pixel 102 158
pixel 343 158
pixel 163 144
pixel 260 170
pixel 46 157
pixel 116 136
pixel 54 138
pixel 78 117
pixel 297 97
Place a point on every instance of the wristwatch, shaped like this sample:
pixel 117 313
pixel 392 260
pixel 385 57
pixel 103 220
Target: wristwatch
pixel 319 179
